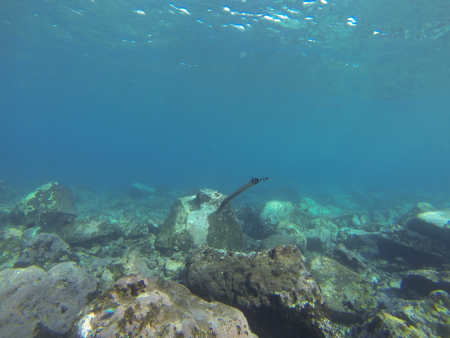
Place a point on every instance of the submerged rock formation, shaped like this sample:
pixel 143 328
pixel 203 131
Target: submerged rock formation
pixel 139 307
pixel 434 224
pixel 350 296
pixel 274 289
pixel 36 303
pixel 46 250
pixel 48 207
pixel 194 222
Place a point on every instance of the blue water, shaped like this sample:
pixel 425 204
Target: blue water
pixel 96 93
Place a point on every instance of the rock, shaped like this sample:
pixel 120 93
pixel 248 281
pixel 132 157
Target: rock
pixel 139 190
pixel 433 224
pixel 419 319
pixel 323 236
pixel 349 259
pixel 11 246
pixel 357 239
pixel 414 212
pixel 131 263
pixel 275 212
pixel 193 222
pixel 46 250
pixel 252 224
pixel 36 303
pixel 50 206
pixel 310 208
pixel 349 296
pixel 384 324
pixel 273 289
pixel 416 250
pixel 272 241
pixel 139 307
pixel 420 283
pixel 83 231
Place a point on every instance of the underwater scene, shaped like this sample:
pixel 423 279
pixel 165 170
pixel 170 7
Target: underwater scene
pixel 224 168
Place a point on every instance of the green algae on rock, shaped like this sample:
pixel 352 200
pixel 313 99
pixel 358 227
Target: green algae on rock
pixel 49 207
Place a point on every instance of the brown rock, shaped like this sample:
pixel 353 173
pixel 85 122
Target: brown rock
pixel 274 289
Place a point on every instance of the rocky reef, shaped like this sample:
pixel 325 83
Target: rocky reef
pixel 351 266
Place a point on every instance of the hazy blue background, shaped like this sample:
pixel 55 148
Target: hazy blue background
pixel 93 93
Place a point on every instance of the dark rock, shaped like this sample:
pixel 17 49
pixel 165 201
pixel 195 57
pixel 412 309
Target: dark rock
pixel 273 289
pixel 193 222
pixel 139 307
pixel 349 295
pixel 46 250
pixel 433 224
pixel 414 249
pixel 36 303
pixel 50 206
pixel 419 319
pixel 419 283
pixel 357 239
pixel 252 224
pixel 414 212
pixel 348 258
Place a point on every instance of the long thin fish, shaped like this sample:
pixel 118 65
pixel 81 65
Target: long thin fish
pixel 252 182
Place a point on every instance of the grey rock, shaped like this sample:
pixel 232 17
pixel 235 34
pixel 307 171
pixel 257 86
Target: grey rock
pixel 193 222
pixel 273 289
pixel 46 250
pixel 135 306
pixel 36 303
pixel 83 231
pixel 50 206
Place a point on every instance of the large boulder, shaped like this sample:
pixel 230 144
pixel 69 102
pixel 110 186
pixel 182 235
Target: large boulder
pixel 86 231
pixel 46 250
pixel 135 306
pixel 194 222
pixel 433 224
pixel 349 295
pixel 48 207
pixel 36 303
pixel 414 212
pixel 274 289
pixel 415 250
pixel 273 213
pixel 429 317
